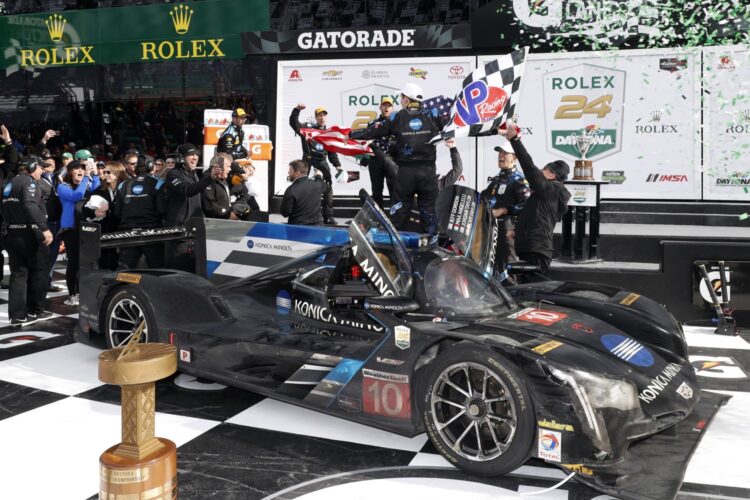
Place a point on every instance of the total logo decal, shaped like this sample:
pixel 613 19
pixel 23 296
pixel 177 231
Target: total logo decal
pixel 628 349
pixel 544 317
pixel 550 445
pixel 321 313
pixel 657 384
pixel 717 367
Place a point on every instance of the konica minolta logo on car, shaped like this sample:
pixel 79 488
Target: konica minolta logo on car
pixel 628 350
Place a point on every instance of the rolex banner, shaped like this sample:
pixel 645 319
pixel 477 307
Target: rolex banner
pixel 727 138
pixel 645 109
pixel 207 30
pixel 351 92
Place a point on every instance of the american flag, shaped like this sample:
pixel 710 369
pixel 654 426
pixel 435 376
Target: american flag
pixel 441 103
pixel 336 140
pixel 488 98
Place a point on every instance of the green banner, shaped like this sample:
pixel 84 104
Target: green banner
pixel 162 32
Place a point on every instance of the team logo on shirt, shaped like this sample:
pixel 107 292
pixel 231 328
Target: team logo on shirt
pixel 415 124
pixel 6 190
pixel 137 189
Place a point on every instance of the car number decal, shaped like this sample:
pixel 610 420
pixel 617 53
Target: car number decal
pixel 539 316
pixel 386 394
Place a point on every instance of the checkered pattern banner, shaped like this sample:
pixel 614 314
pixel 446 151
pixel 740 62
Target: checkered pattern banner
pixel 488 98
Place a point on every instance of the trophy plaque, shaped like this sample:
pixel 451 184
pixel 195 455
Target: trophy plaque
pixel 141 466
pixel 583 169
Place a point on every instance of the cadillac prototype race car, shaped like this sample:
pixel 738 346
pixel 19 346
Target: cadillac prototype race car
pixel 422 339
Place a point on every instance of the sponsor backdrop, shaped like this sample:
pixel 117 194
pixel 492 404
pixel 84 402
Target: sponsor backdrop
pixel 351 92
pixel 641 100
pixel 727 81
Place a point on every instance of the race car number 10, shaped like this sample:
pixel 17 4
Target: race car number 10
pixel 386 394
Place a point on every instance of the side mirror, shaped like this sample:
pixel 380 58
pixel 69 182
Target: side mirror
pixel 392 304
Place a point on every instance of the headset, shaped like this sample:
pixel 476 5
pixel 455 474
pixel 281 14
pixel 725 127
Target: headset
pixel 31 164
pixel 179 158
pixel 145 165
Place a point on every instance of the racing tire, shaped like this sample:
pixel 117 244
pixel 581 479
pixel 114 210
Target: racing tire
pixel 125 311
pixel 478 412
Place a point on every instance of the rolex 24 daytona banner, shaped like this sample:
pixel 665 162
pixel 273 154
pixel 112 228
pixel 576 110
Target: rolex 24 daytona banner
pixel 433 36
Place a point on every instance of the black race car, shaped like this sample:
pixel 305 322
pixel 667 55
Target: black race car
pixel 415 340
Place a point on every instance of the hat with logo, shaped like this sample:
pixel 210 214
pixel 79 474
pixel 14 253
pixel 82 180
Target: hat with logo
pixel 321 110
pixel 560 168
pixel 83 154
pixel 238 112
pixel 387 100
pixel 413 92
pixel 45 155
pixel 67 156
pixel 236 169
pixel 187 149
pixel 505 147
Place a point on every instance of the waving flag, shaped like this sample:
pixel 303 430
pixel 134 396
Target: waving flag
pixel 336 140
pixel 441 103
pixel 488 98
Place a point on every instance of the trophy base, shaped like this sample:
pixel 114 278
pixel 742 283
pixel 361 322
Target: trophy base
pixel 154 476
pixel 583 170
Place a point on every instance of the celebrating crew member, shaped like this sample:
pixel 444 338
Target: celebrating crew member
pixel 48 183
pixel 100 208
pixel 544 208
pixel 506 193
pixel 314 154
pixel 138 206
pixel 231 139
pixel 184 185
pixel 380 171
pixel 216 198
pixel 26 241
pixel 301 202
pixel 8 160
pixel 413 127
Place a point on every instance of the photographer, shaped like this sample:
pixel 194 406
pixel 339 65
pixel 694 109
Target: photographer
pixel 240 184
pixel 78 183
pixel 26 240
pixel 215 199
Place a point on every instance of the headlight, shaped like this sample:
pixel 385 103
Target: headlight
pixel 594 392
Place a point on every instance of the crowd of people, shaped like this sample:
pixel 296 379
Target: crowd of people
pixel 526 202
pixel 45 198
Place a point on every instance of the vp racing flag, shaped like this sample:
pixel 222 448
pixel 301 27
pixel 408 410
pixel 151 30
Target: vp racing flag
pixel 336 140
pixel 489 97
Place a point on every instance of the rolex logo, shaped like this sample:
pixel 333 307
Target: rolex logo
pixel 655 116
pixel 55 25
pixel 181 16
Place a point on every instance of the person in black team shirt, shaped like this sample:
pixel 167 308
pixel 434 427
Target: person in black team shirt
pixel 138 206
pixel 315 156
pixel 301 201
pixel 231 139
pixel 379 170
pixel 26 240
pixel 544 208
pixel 413 126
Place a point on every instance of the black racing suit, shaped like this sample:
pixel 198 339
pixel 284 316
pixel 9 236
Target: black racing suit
pixel 230 142
pixel 315 155
pixel 137 206
pixel 508 190
pixel 544 208
pixel 24 221
pixel 183 187
pixel 9 157
pixel 379 171
pixel 412 128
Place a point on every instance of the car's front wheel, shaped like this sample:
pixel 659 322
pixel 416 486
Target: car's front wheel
pixel 478 412
pixel 126 310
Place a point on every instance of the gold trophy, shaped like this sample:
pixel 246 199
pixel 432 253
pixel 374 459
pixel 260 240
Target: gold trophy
pixel 141 466
pixel 584 169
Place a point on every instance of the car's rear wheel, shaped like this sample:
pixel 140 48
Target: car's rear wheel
pixel 478 412
pixel 126 310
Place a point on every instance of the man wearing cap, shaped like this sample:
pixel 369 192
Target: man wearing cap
pixel 412 127
pixel 380 171
pixel 184 185
pixel 507 193
pixel 544 208
pixel 231 139
pixel 26 241
pixel 314 154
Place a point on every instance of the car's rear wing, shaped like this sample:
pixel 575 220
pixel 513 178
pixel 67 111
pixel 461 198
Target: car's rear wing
pixel 92 242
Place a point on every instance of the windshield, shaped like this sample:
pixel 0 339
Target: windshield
pixel 456 286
